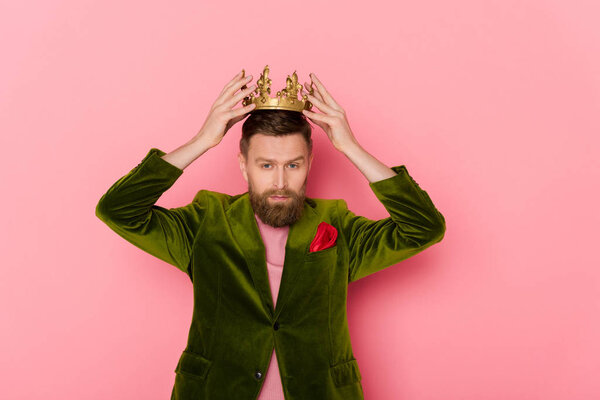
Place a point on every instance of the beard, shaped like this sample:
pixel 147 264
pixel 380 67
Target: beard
pixel 278 213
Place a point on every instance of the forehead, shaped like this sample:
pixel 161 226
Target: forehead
pixel 279 148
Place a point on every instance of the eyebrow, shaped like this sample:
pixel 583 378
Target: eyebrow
pixel 295 159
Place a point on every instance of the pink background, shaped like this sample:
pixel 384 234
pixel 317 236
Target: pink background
pixel 492 106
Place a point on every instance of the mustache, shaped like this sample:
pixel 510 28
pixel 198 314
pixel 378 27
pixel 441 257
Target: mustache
pixel 281 194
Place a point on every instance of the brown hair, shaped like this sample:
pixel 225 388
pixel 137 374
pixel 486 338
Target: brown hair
pixel 275 123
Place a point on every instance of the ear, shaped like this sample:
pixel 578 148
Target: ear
pixel 310 161
pixel 242 162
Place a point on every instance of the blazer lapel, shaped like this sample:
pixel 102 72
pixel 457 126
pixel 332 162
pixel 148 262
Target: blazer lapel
pixel 240 215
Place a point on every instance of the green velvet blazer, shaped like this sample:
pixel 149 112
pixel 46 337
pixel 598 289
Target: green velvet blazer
pixel 216 241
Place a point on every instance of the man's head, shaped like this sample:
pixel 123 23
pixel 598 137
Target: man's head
pixel 275 158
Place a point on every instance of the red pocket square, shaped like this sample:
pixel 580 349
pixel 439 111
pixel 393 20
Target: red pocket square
pixel 325 237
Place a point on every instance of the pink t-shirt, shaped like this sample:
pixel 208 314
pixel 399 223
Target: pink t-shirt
pixel 274 240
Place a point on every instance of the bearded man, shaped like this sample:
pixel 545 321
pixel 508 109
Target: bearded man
pixel 270 267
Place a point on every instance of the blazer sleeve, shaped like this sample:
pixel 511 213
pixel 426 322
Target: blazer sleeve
pixel 128 208
pixel 413 225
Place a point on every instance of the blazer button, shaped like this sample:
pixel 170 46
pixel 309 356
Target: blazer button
pixel 276 325
pixel 258 375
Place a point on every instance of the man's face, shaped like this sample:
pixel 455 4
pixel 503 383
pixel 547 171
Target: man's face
pixel 276 166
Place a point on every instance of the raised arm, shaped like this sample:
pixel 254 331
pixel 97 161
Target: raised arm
pixel 414 224
pixel 128 207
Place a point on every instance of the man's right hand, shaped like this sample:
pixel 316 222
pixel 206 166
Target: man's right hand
pixel 222 116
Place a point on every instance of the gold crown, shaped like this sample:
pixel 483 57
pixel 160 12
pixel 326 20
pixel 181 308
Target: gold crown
pixel 287 99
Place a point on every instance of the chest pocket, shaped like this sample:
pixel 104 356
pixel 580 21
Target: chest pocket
pixel 325 256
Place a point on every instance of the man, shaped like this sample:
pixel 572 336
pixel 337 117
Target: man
pixel 270 267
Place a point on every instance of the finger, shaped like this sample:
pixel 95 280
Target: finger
pixel 237 75
pixel 315 92
pixel 322 106
pixel 308 87
pixel 311 88
pixel 235 84
pixel 320 124
pixel 227 93
pixel 324 93
pixel 232 81
pixel 239 118
pixel 239 96
pixel 317 117
pixel 242 110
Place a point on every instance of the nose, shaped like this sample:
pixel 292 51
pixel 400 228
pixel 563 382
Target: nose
pixel 280 180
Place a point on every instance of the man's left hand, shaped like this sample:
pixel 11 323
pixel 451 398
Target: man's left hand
pixel 333 120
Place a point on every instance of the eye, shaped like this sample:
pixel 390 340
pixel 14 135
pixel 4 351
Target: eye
pixel 295 165
pixel 265 164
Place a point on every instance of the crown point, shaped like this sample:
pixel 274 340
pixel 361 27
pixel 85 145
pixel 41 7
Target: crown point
pixel 286 99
